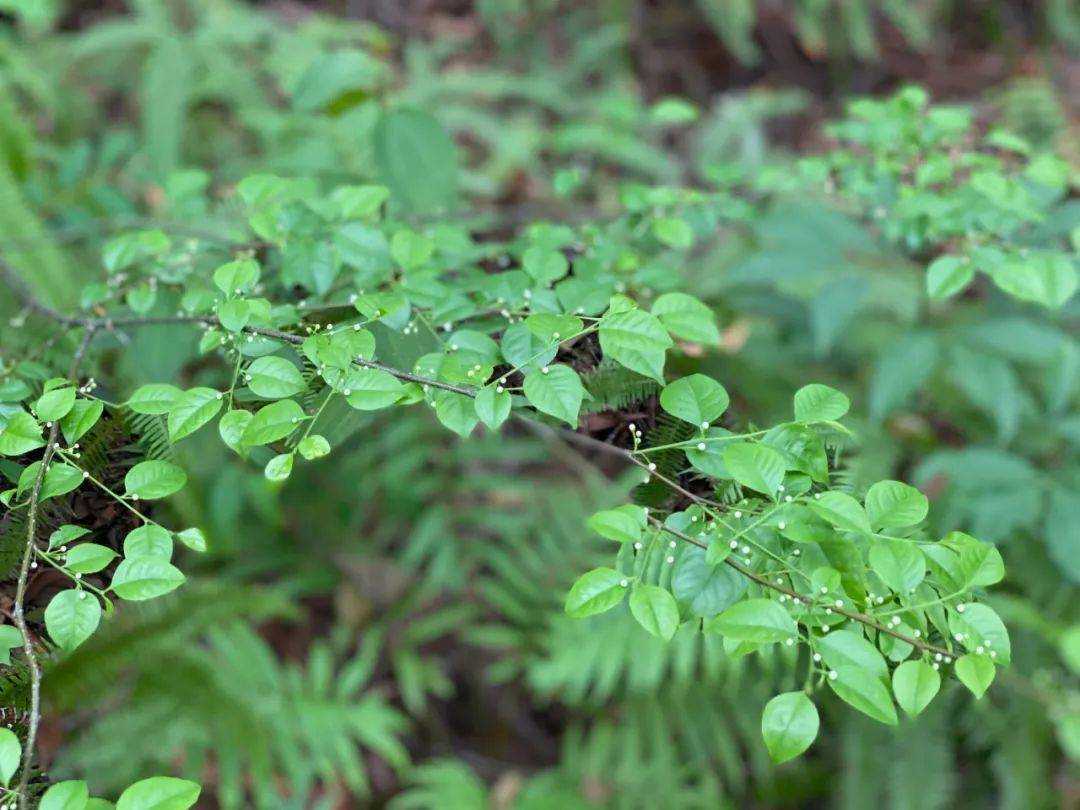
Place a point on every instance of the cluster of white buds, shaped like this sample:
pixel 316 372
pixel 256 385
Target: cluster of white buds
pixel 88 386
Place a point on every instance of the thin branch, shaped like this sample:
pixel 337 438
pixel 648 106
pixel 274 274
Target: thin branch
pixel 20 591
pixel 765 582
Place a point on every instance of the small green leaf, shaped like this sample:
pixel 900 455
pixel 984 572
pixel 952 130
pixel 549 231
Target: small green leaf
pixel 155 398
pixel 492 406
pixel 273 422
pixel 231 428
pixel 976 672
pixel 83 415
pixel 760 621
pixel 151 480
pixel 20 435
pixel 193 539
pixel 70 795
pixel 637 340
pixel 279 467
pixel 192 409
pixel 893 505
pixel 555 390
pixel 595 592
pixel 143 578
pixel 66 534
pixel 948 275
pixel 234 314
pixel 789 725
pixel 623 524
pixel 755 466
pixel 915 683
pixel 88 558
pixel 71 618
pixel 237 277
pixel 845 648
pixel 820 403
pixel 159 793
pixel 868 695
pixel 369 389
pixel 552 328
pixel 842 511
pixel 673 232
pixel 274 378
pixel 55 404
pixel 10 639
pixel 687 318
pixel 696 399
pixel 655 609
pixel 313 447
pixel 10 755
pixel 545 265
pixel 899 563
pixel 456 412
pixel 148 541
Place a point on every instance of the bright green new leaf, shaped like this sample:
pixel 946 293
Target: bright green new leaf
pixel 155 398
pixel 893 505
pixel 595 592
pixel 273 422
pixel 842 511
pixel 976 672
pixel 687 318
pixel 231 428
pixel 696 399
pixel 370 389
pixel 192 409
pixel 704 589
pixel 948 275
pixel 234 314
pixel 71 618
pixel 159 793
pixel 899 563
pixel 149 540
pixel 279 467
pixel 66 534
pixel 555 390
pixel 274 378
pixel 637 340
pixel 10 754
pixel 545 265
pixel 848 649
pixel 313 447
pixel 143 578
pixel 869 695
pixel 10 639
pixel 457 412
pixel 55 404
pixel 237 277
pixel 915 683
pixel 151 480
pixel 20 435
pixel 193 539
pixel 655 609
pixel 492 406
pixel 789 725
pixel 88 558
pixel 623 524
pixel 70 795
pixel 83 415
pixel 820 403
pixel 673 232
pixel 760 621
pixel 755 466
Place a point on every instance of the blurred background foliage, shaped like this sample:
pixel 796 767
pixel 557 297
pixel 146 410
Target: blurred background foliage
pixel 393 634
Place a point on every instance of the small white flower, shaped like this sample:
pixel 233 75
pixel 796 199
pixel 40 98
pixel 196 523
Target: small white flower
pixel 652 467
pixel 781 525
pixel 817 658
pixel 961 607
pixel 738 514
pixel 701 446
pixel 670 560
pixel 833 675
pixel 624 582
pixel 790 642
pixel 746 549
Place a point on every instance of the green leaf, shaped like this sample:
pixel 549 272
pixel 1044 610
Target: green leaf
pixel 151 480
pixel 124 250
pixel 551 328
pixel 274 378
pixel 637 340
pixel 696 399
pixel 687 318
pixel 237 277
pixel 893 505
pixel 492 406
pixel 523 349
pixel 899 563
pixel 193 409
pixel 411 249
pixel 623 524
pixel 279 467
pixel 71 618
pixel 193 539
pixel 673 232
pixel 842 511
pixel 456 411
pixel 755 466
pixel 10 755
pixel 60 479
pixel 234 314
pixel 820 403
pixel 555 390
pixel 148 541
pixel 915 683
pixel 789 725
pixel 868 695
pixel 159 793
pixel 1049 279
pixel 66 534
pixel 655 609
pixel 10 639
pixel 369 389
pixel 21 434
pixel 143 578
pixel 704 589
pixel 980 564
pixel 417 160
pixel 948 275
pixel 976 672
pixel 273 422
pixel 70 795
pixel 545 265
pixel 313 447
pixel 231 428
pixel 155 398
pixel 83 415
pixel 88 558
pixel 760 621
pixel 595 592
pixel 981 625
pixel 846 649
pixel 55 404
